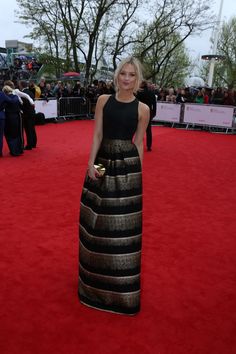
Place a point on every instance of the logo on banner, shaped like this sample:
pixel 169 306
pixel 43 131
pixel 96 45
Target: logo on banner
pixel 217 110
pixel 167 107
pixel 194 109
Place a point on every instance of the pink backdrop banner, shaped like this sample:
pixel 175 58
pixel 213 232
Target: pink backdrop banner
pixel 168 112
pixel 221 116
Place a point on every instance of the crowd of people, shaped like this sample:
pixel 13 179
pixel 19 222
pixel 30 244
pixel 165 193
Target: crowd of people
pixel 202 95
pixel 61 89
pixel 26 63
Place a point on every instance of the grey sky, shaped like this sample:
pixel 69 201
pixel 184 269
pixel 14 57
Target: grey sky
pixel 197 45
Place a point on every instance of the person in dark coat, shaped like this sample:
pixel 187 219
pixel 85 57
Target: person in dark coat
pixel 13 125
pixel 28 117
pixel 4 99
pixel 148 97
pixel 228 98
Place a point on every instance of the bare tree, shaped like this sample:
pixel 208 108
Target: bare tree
pixel 69 28
pixel 43 18
pixel 92 23
pixel 71 15
pixel 174 69
pixel 171 17
pixel 123 33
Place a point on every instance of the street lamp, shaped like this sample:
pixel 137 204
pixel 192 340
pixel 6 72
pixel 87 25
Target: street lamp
pixel 217 57
pixel 213 57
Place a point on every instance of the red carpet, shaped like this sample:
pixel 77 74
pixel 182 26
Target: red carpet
pixel 189 249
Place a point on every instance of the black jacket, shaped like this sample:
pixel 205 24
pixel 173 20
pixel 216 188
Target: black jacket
pixel 27 108
pixel 148 97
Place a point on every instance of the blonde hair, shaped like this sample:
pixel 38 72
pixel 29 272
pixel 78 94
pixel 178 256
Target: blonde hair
pixel 7 89
pixel 138 71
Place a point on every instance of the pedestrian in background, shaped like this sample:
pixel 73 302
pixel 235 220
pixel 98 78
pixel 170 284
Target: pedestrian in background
pixel 148 97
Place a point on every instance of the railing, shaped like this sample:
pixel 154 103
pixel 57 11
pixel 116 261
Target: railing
pixel 65 108
pixel 187 114
pixel 71 107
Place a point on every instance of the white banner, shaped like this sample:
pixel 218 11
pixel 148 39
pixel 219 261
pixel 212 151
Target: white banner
pixel 221 116
pixel 49 108
pixel 168 112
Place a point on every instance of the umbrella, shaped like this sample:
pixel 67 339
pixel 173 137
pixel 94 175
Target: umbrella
pixel 21 57
pixel 70 75
pixel 195 81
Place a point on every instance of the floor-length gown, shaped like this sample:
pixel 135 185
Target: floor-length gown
pixel 110 227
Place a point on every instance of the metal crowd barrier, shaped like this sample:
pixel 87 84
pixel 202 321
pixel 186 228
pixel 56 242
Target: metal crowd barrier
pixel 73 107
pixel 66 108
pixel 91 108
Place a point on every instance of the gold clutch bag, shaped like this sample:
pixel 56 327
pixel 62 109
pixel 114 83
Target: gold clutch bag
pixel 101 169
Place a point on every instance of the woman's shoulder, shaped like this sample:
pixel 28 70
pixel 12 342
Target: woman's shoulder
pixel 144 111
pixel 143 107
pixel 102 99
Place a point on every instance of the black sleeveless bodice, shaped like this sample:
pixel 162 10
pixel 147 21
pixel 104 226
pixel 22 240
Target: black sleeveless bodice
pixel 120 119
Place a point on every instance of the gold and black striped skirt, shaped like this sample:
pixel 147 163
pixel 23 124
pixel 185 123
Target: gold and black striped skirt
pixel 110 231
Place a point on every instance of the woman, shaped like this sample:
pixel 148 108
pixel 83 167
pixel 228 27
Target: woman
pixel 171 96
pixel 200 97
pixel 111 205
pixel 13 126
pixel 181 98
pixel 18 93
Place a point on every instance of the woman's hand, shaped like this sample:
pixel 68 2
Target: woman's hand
pixel 93 173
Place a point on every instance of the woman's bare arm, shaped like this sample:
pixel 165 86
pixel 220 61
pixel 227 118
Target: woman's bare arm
pixel 144 116
pixel 97 135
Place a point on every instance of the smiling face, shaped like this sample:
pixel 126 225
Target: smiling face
pixel 127 77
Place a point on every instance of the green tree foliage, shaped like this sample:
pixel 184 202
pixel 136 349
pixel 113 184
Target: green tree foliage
pixel 225 70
